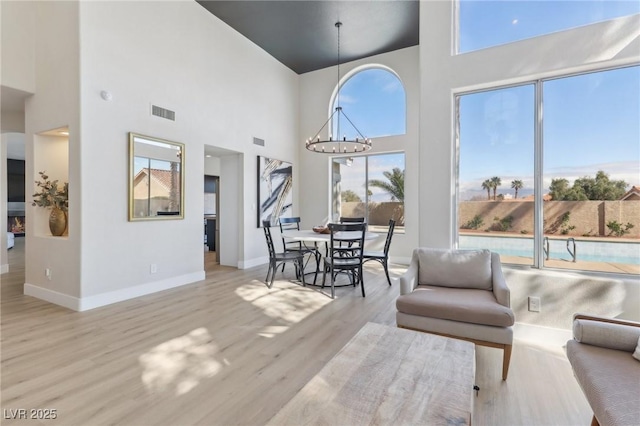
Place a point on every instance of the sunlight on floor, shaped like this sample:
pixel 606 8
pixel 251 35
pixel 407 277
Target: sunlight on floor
pixel 180 363
pixel 284 301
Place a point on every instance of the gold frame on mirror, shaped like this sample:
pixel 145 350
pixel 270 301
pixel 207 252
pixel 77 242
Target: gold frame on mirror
pixel 156 182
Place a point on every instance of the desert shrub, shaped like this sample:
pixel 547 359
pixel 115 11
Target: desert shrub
pixel 503 224
pixel 617 229
pixel 474 223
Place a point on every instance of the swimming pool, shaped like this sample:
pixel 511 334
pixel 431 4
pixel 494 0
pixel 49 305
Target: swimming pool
pixel 591 251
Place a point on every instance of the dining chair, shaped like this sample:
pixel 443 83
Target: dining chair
pixel 345 258
pixel 382 256
pixel 344 219
pixel 275 259
pixel 291 246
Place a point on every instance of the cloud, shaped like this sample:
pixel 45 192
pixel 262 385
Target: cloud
pixel 392 86
pixel 346 99
pixel 629 171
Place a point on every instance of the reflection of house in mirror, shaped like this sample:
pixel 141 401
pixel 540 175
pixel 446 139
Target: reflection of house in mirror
pixel 152 192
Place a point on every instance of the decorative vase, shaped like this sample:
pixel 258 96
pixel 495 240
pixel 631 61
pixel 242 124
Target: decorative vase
pixel 57 221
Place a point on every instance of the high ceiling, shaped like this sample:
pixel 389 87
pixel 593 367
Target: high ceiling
pixel 302 35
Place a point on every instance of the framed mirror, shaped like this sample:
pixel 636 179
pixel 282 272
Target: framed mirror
pixel 156 178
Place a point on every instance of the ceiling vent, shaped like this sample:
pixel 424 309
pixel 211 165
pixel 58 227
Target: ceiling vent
pixel 258 141
pixel 163 113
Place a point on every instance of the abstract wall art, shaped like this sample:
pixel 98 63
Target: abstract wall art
pixel 275 195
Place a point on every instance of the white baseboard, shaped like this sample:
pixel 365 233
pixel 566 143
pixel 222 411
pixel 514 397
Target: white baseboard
pixel 103 299
pixel 4 269
pixel 542 335
pixel 52 296
pixel 246 264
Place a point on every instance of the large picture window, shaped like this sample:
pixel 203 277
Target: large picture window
pixel 584 192
pixel 370 186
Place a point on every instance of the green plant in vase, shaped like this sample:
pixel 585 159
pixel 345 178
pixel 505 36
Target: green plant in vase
pixel 56 197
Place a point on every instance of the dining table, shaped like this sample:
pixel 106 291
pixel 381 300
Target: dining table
pixel 315 237
pixel 310 236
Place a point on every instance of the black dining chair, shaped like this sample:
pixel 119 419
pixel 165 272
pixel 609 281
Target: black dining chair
pixel 344 219
pixel 291 246
pixel 345 257
pixel 382 256
pixel 275 259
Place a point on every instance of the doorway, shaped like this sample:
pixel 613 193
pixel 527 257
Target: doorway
pixel 222 206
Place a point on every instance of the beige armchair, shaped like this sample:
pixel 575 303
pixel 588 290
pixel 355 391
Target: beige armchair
pixel 460 294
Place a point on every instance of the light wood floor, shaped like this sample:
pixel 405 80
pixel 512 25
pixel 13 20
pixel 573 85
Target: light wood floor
pixel 228 351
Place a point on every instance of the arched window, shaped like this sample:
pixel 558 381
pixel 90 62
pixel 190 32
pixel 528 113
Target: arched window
pixel 374 100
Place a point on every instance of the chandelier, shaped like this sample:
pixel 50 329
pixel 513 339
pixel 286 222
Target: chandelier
pixel 337 145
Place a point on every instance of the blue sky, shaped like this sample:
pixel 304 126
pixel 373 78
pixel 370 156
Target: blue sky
pixel 590 121
pixel 487 23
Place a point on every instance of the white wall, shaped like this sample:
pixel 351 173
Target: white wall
pixel 230 211
pixel 316 89
pixel 54 105
pixel 176 55
pixel 17 38
pixel 12 121
pixel 212 166
pixel 173 54
pixel 591 47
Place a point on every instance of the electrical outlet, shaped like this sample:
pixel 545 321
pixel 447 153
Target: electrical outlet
pixel 47 273
pixel 153 268
pixel 534 304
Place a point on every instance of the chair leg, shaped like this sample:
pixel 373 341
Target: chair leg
pixel 301 266
pixel 361 280
pixel 333 288
pixel 506 359
pixel 266 279
pixel 324 275
pixel 594 421
pixel 386 270
pixel 318 258
pixel 272 273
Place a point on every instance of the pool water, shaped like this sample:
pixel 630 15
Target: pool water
pixel 591 251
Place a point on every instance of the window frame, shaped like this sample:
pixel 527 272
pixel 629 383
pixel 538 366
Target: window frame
pixel 334 215
pixel 348 76
pixel 538 234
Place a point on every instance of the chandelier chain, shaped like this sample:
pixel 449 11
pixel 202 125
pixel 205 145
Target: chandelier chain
pixel 338 145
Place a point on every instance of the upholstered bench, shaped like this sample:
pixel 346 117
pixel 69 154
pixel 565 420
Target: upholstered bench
pixel 602 357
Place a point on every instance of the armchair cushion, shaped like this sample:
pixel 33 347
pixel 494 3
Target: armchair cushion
pixel 636 353
pixel 605 334
pixel 455 268
pixel 464 305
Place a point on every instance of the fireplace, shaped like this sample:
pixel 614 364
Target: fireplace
pixel 16 225
pixel 15 218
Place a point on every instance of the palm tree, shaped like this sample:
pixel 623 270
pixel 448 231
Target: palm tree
pixel 395 185
pixel 495 183
pixel 487 185
pixel 516 184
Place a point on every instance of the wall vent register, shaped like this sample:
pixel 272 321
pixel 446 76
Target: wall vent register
pixel 163 113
